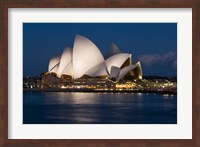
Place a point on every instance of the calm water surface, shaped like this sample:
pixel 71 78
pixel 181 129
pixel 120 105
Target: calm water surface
pixel 98 108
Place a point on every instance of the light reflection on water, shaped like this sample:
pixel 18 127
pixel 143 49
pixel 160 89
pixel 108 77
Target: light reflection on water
pixel 98 108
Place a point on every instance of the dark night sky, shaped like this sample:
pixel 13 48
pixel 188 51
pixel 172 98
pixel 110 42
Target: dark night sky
pixel 154 44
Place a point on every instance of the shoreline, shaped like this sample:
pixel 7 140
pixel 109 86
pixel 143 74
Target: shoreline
pixel 100 91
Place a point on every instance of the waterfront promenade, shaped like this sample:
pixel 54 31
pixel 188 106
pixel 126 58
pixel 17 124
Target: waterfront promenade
pixel 172 91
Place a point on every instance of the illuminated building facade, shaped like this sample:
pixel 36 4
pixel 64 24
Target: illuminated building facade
pixel 86 60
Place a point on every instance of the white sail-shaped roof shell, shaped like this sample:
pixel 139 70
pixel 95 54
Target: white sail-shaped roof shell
pixel 85 56
pixel 68 70
pixel 113 50
pixel 53 62
pixel 98 70
pixel 55 69
pixel 116 60
pixel 64 61
pixel 125 70
pixel 138 64
pixel 114 72
pixel 86 59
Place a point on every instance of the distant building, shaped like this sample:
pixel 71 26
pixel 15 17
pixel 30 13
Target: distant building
pixel 85 60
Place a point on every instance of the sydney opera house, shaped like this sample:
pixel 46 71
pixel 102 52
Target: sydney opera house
pixel 85 60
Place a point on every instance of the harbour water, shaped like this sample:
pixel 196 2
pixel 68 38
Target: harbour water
pixel 98 108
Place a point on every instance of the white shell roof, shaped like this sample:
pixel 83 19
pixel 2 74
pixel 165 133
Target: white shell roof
pixel 53 62
pixel 114 71
pixel 85 56
pixel 113 50
pixel 97 70
pixel 116 60
pixel 86 59
pixel 55 68
pixel 64 61
pixel 138 63
pixel 125 70
pixel 68 70
pixel 140 67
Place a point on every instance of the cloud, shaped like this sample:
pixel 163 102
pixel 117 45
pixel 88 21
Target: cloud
pixel 169 58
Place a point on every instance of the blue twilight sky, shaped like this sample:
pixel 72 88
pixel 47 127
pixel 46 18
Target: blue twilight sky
pixel 154 44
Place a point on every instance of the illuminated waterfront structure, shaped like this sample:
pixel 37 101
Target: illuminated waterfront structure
pixel 86 60
pixel 83 68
